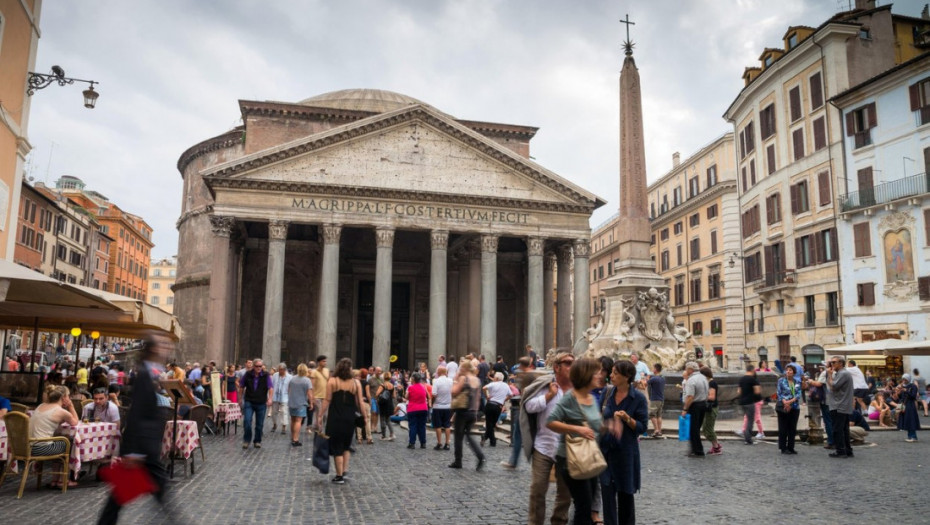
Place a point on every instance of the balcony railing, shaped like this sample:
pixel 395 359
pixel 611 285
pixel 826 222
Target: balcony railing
pixel 887 192
pixel 781 278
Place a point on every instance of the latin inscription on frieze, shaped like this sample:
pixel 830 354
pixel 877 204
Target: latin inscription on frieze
pixel 459 213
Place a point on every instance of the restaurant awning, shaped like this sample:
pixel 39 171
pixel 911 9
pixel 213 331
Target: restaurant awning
pixel 883 347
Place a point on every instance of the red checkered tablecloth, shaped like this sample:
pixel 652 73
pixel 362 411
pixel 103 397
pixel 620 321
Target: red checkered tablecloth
pixel 230 412
pixel 92 442
pixel 4 444
pixel 187 440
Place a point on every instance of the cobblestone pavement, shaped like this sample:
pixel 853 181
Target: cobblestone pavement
pixel 390 484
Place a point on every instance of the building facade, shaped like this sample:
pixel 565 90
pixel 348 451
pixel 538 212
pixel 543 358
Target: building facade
pixel 36 224
pixel 694 248
pixel 19 39
pixel 884 226
pixel 367 224
pixel 162 275
pixel 790 172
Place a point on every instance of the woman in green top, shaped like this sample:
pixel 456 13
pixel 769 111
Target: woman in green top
pixel 578 414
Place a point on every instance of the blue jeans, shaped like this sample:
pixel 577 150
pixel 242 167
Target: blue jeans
pixel 516 440
pixel 416 422
pixel 827 422
pixel 258 409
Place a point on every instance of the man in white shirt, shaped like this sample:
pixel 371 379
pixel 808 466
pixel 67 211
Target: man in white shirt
pixel 442 407
pixel 497 393
pixel 541 398
pixel 102 409
pixel 860 386
pixel 452 367
pixel 642 373
pixel 695 391
pixel 281 381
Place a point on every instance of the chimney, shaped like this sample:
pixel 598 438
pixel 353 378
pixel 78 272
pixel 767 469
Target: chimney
pixel 865 4
pixel 676 160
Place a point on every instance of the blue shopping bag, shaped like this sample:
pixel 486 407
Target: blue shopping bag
pixel 684 427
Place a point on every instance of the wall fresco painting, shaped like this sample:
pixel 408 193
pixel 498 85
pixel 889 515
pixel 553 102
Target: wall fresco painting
pixel 899 256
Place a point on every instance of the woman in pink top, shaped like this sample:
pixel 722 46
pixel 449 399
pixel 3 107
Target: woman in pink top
pixel 417 409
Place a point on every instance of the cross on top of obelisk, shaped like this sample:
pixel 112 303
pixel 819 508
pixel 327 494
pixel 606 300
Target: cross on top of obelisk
pixel 628 44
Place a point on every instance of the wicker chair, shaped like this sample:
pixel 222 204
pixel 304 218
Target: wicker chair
pixel 17 428
pixel 84 404
pixel 199 414
pixel 18 407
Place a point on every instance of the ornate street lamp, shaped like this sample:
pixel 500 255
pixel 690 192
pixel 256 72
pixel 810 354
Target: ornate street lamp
pixel 39 81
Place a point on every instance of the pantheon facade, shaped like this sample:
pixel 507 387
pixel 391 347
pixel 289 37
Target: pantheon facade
pixel 368 224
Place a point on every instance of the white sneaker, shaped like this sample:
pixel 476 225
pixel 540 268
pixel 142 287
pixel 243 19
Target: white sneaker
pixel 738 433
pixel 760 435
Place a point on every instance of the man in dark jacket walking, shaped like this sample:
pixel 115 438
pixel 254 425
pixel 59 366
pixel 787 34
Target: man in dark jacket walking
pixel 256 389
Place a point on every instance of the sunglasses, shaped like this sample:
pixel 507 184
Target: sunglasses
pixel 566 362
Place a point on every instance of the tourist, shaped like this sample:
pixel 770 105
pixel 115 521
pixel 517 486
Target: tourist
pixel 102 409
pixel 624 416
pixel 763 366
pixel 425 377
pixel 81 375
pixel 815 395
pixel 279 404
pixel 44 422
pixel 880 411
pixel 517 380
pixel 5 406
pixel 452 368
pixel 695 392
pixel 362 375
pixel 501 366
pixel 909 419
pixel 578 414
pixel 922 397
pixel 465 401
pixel 442 408
pixel 319 377
pixel 655 385
pixel 840 396
pixel 860 386
pixel 642 373
pixel 343 399
pixel 750 392
pixel 257 391
pixel 710 416
pixel 400 414
pixel 230 381
pixel 497 392
pixel 374 381
pixel 440 364
pixel 484 370
pixel 417 410
pixel 385 398
pixel 541 443
pixel 825 404
pixel 788 409
pixel 299 397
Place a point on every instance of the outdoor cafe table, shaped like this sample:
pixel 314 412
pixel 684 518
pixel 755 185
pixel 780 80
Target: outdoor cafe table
pixel 227 413
pixel 91 442
pixel 4 443
pixel 186 441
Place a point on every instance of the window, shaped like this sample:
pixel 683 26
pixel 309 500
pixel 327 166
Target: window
pixel 865 33
pixel 923 288
pixel 859 123
pixel 927 227
pixel 697 328
pixel 676 196
pixel 833 312
pixel 664 260
pixel 695 249
pixel 761 319
pixel 156 272
pixel 816 248
pixel 652 210
pixel 751 221
pixel 713 242
pixel 746 140
pixel 594 274
pixel 767 121
pixel 663 235
pixel 600 272
pixel 862 239
pixel 794 99
pixel 810 314
pixel 752 267
pixel 694 220
pixel 865 294
pixel 745 180
pixel 752 172
pixel 678 251
pixel 797 139
pixel 678 227
pixel 752 321
pixel 773 208
pixel 696 289
pixel 610 268
pixel 679 290
pixel 712 176
pixel 920 100
pixel 664 207
pixel 713 286
pixel 816 91
pixel 820 134
pixel 799 201
pixel 716 326
pixel 803 252
pixel 156 286
pixel 823 188
pixel 154 299
pixel 780 306
pixel 792 40
pixel 770 158
pixel 711 211
pixel 694 186
pixel 652 239
pixel 768 60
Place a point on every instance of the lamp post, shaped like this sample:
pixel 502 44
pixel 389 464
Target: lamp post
pixel 39 81
pixel 93 349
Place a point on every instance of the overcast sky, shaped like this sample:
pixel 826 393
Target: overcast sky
pixel 171 73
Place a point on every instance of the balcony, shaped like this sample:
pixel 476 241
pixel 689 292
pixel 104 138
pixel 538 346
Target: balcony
pixel 775 281
pixel 887 192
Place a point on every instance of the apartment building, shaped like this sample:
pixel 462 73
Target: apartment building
pixel 162 274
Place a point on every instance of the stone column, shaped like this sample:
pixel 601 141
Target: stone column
pixel 439 241
pixel 564 297
pixel 461 340
pixel 535 305
pixel 274 293
pixel 221 295
pixel 548 311
pixel 474 300
pixel 582 309
pixel 329 291
pixel 489 297
pixel 384 270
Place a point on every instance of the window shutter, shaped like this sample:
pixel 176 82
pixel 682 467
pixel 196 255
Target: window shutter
pixel 873 117
pixel 770 157
pixel 816 92
pixel 862 239
pixel 927 161
pixel 820 134
pixel 914 92
pixel 794 199
pixel 745 181
pixel 713 242
pixel 869 294
pixel 927 227
pixel 798 260
pixel 752 171
pixel 923 288
pixel 850 123
pixel 834 246
pixel 769 211
pixel 823 185
pixel 817 248
pixel 798 138
pixel 795 96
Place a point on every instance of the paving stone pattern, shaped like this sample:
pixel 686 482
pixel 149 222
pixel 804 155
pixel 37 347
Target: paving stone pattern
pixel 387 483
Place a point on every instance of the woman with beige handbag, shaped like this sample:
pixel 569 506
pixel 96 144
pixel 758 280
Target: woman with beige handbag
pixel 578 418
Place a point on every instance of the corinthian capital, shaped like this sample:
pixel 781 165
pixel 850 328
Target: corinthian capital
pixel 277 230
pixel 331 233
pixel 549 261
pixel 535 245
pixel 385 237
pixel 582 248
pixel 439 239
pixel 222 226
pixel 564 252
pixel 489 243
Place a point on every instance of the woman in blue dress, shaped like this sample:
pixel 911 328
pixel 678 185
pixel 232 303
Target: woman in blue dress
pixel 625 414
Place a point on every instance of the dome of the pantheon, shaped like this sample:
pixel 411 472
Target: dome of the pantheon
pixel 373 100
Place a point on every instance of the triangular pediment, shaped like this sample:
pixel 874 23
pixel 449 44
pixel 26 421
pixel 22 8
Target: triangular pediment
pixel 416 149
